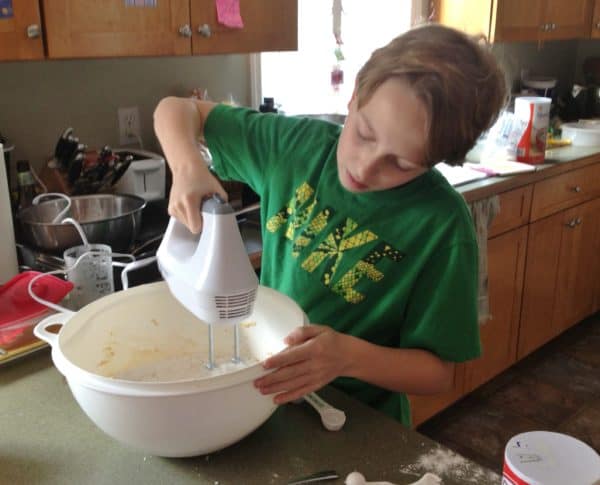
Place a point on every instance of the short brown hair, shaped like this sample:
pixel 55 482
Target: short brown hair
pixel 456 77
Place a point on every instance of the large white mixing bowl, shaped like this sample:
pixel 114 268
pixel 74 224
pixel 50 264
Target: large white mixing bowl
pixel 175 418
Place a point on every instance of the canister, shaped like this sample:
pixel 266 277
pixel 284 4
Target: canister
pixel 534 115
pixel 549 458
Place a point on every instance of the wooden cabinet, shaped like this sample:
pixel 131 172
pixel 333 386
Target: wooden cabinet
pixel 268 25
pixel 506 265
pixel 91 29
pixel 87 28
pixel 561 275
pixel 21 34
pixel 596 21
pixel 518 20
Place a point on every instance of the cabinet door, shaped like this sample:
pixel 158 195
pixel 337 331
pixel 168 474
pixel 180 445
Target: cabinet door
pixel 518 20
pixel 596 21
pixel 579 265
pixel 88 28
pixel 471 16
pixel 20 34
pixel 570 20
pixel 269 25
pixel 506 265
pixel 561 274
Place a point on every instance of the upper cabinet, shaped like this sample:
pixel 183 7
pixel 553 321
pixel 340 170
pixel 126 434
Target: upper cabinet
pixel 269 25
pixel 119 28
pixel 596 21
pixel 88 28
pixel 518 20
pixel 21 32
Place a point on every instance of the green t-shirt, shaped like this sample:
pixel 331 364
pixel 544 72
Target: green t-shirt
pixel 396 267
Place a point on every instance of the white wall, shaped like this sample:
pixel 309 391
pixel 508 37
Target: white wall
pixel 38 100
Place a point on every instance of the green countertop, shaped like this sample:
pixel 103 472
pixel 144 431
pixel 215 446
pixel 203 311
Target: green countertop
pixel 47 439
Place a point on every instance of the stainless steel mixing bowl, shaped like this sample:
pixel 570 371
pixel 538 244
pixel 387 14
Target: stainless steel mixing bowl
pixel 105 219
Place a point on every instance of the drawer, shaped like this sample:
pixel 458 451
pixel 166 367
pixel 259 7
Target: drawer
pixel 514 210
pixel 565 190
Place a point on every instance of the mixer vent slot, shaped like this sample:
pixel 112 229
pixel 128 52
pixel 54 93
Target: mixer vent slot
pixel 234 306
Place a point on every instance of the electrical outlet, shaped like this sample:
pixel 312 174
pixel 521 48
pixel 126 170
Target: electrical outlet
pixel 129 125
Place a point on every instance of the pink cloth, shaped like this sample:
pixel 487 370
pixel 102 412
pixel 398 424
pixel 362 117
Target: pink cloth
pixel 228 13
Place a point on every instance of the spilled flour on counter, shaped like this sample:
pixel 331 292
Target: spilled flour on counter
pixel 447 464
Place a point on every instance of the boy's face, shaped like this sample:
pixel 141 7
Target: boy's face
pixel 382 144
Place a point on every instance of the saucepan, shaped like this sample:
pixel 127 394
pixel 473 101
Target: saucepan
pixel 109 219
pixel 134 361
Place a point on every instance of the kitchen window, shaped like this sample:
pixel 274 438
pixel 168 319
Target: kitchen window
pixel 300 81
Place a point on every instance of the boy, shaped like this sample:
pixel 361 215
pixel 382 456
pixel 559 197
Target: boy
pixel 375 246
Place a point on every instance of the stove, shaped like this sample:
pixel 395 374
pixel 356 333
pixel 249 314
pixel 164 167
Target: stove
pixel 154 223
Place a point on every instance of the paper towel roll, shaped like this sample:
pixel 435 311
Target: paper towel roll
pixel 8 250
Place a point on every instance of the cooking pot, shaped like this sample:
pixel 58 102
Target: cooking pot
pixel 105 219
pixel 107 350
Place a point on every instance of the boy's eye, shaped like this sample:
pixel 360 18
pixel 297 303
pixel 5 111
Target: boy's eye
pixel 363 136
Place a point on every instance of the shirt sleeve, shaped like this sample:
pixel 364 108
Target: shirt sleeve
pixel 250 147
pixel 442 313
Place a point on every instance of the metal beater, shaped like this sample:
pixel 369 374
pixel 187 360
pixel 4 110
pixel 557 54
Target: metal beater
pixel 210 273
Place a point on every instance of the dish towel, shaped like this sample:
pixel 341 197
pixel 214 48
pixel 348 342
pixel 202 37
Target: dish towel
pixel 483 212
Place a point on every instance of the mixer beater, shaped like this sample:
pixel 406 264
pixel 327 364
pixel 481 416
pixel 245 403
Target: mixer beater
pixel 210 273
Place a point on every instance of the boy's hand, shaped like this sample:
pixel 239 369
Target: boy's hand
pixel 314 357
pixel 192 183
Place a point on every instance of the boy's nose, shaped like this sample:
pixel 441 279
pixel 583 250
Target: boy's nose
pixel 366 169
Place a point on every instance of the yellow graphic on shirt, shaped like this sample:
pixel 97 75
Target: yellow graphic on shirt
pixel 298 217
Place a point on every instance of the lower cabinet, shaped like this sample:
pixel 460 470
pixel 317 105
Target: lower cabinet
pixel 562 274
pixel 506 265
pixel 499 334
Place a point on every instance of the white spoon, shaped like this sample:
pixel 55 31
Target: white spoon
pixel 357 478
pixel 332 418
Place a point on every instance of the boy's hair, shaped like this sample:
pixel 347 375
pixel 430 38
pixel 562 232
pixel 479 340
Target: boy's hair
pixel 457 79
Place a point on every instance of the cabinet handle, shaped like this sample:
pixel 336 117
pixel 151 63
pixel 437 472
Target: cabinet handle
pixel 552 26
pixel 598 25
pixel 33 31
pixel 572 223
pixel 185 31
pixel 545 27
pixel 577 189
pixel 204 30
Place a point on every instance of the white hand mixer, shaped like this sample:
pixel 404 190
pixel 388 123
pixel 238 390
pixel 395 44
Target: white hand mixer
pixel 210 273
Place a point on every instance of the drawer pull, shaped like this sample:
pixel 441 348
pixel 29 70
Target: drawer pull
pixel 577 189
pixel 572 223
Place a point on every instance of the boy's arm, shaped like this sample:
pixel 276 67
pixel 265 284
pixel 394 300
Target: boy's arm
pixel 309 363
pixel 179 124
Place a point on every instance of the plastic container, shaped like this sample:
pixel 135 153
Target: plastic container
pixel 146 326
pixel 547 458
pixel 583 133
pixel 20 312
pixel 92 276
pixel 534 115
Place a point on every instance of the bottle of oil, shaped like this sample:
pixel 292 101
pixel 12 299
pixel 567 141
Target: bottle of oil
pixel 27 187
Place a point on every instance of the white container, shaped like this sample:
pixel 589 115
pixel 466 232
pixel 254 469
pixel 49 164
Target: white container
pixel 145 176
pixel 534 114
pixel 583 133
pixel 144 325
pixel 547 458
pixel 8 250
